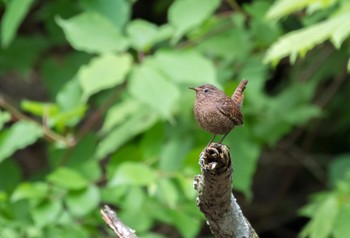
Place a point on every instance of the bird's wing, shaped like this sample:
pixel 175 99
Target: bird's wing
pixel 228 109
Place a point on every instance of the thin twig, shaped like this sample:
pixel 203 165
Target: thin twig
pixel 48 133
pixel 234 5
pixel 119 228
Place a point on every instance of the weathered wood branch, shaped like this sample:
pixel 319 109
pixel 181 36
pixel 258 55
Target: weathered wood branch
pixel 119 228
pixel 215 198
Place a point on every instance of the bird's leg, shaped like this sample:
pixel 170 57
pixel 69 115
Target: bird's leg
pixel 223 138
pixel 211 140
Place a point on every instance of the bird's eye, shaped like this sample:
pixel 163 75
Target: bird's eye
pixel 206 90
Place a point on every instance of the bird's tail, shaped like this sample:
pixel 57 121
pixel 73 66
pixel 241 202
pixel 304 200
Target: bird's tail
pixel 237 96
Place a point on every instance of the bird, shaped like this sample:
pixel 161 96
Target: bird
pixel 216 112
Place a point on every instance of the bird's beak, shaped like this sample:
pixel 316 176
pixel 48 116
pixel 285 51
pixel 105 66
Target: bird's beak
pixel 195 89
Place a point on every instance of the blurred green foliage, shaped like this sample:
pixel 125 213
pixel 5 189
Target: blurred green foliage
pixel 118 127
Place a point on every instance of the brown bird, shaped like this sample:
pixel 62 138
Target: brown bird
pixel 217 113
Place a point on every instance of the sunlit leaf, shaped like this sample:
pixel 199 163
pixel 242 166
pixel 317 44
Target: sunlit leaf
pixel 186 15
pixel 149 86
pixel 103 72
pixel 117 11
pixel 142 34
pixel 92 33
pixel 39 108
pixel 190 67
pixel 283 8
pixel 295 43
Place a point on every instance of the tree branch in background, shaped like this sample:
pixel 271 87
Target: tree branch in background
pixel 121 230
pixel 215 198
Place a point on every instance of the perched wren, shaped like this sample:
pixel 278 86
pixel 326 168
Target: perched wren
pixel 217 113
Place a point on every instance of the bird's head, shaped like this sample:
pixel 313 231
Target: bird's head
pixel 205 91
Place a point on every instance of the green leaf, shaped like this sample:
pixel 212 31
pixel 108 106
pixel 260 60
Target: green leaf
pixel 294 43
pixel 10 175
pixel 39 108
pixel 117 11
pixel 4 117
pixel 283 8
pixel 14 14
pixel 167 193
pixel 69 97
pixel 67 178
pixel 187 67
pixel 130 173
pixel 134 199
pixel 323 219
pixel 141 221
pixel 92 33
pixel 152 140
pixel 186 185
pixel 57 73
pixel 186 15
pixel 70 230
pixel 235 39
pixel 47 212
pixel 187 224
pixel 149 86
pixel 303 114
pixel 103 72
pixel 17 137
pixel 341 33
pixel 119 113
pixel 173 153
pixel 23 53
pixel 338 169
pixel 144 35
pixel 81 202
pixel 341 227
pixel 245 155
pixel 30 191
pixel 137 123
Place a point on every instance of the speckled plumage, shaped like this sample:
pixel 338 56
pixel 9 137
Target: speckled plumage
pixel 217 113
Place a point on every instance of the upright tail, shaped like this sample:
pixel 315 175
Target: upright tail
pixel 237 96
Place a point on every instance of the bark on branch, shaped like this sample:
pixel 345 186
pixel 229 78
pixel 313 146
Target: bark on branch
pixel 215 198
pixel 121 230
